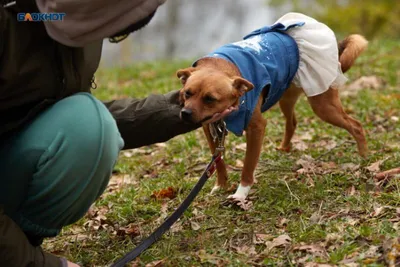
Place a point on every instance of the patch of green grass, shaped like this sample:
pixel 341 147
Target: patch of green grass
pixel 339 210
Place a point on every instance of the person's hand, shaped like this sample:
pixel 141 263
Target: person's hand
pixel 223 114
pixel 71 264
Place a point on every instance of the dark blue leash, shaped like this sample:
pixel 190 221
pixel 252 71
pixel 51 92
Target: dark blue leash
pixel 156 235
pixel 218 132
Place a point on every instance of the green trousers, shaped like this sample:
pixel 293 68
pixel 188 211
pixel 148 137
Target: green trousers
pixel 55 167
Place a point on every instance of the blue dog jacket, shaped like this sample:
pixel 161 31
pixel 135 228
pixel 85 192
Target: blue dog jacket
pixel 265 57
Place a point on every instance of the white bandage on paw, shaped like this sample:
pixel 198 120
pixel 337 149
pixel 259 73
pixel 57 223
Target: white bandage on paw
pixel 241 192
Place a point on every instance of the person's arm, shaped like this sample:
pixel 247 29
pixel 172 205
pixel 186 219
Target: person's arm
pixel 149 120
pixel 153 119
pixel 86 21
pixel 15 249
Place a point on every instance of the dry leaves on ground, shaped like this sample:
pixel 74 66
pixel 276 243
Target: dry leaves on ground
pixel 169 192
pixel 131 230
pixel 261 238
pixel 364 82
pixel 245 204
pixel 280 241
pixel 308 165
pixel 157 263
pixel 316 250
pixel 298 141
pixel 376 166
pixel 118 182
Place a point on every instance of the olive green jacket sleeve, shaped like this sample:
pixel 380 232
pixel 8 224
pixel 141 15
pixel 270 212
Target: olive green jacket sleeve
pixel 150 120
pixel 16 251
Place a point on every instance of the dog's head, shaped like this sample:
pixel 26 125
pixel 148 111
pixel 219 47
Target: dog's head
pixel 208 91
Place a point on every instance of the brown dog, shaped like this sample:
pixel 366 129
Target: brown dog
pixel 215 84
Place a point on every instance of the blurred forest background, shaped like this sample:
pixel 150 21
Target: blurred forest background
pixel 185 29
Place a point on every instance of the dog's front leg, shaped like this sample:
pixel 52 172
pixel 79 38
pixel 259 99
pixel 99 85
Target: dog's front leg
pixel 222 175
pixel 254 139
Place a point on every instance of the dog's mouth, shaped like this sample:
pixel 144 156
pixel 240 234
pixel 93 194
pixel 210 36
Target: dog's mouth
pixel 207 118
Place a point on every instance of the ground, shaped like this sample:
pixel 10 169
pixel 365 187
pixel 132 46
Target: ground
pixel 317 204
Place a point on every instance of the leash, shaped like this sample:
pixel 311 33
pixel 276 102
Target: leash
pixel 218 132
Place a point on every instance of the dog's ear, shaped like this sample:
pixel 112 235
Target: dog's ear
pixel 184 74
pixel 241 85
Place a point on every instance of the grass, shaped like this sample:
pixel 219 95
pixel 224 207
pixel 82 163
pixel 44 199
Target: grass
pixel 333 212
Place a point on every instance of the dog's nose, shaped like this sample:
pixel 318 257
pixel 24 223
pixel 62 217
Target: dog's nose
pixel 186 114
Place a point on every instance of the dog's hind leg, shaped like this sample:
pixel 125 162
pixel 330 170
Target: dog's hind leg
pixel 222 175
pixel 287 103
pixel 254 139
pixel 329 108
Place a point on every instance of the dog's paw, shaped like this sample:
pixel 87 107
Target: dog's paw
pixel 241 193
pixel 284 149
pixel 215 189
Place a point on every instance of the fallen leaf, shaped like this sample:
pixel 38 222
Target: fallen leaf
pixel 199 167
pixel 239 163
pixel 391 248
pixel 280 241
pixel 131 230
pixel 330 144
pixel 352 221
pixel 364 82
pixel 244 204
pixel 160 145
pixel 300 145
pixel 372 252
pixel 158 263
pixel 312 166
pixel 127 154
pixel 118 182
pixel 394 118
pixel 375 167
pixel 351 191
pixel 332 238
pixel 315 218
pixel 164 193
pixel 246 250
pixel 241 146
pixel 306 136
pixel 177 227
pixel 377 211
pixel 261 238
pixel 307 162
pixel 210 258
pixel 313 249
pixel 350 166
pixel 282 223
pixel 163 212
pixel 314 264
pixel 195 226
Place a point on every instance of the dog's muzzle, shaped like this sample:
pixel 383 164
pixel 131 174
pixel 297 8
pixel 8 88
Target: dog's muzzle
pixel 186 115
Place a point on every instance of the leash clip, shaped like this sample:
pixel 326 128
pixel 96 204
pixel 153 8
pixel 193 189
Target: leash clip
pixel 218 133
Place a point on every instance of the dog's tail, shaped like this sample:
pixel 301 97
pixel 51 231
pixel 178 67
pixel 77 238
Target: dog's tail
pixel 349 49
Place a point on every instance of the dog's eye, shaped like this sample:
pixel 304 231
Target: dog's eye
pixel 188 94
pixel 209 99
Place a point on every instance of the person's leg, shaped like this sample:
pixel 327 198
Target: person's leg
pixel 56 167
